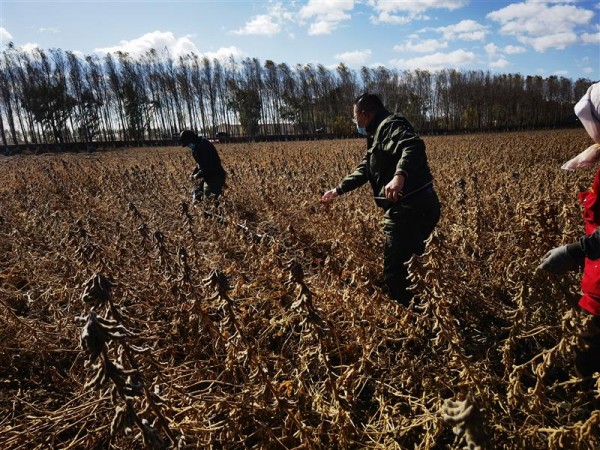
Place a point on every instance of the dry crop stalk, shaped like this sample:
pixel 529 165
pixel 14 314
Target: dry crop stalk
pixel 142 227
pixel 162 254
pixel 127 383
pixel 305 305
pixel 218 282
pixel 184 208
pixel 428 283
pixel 467 422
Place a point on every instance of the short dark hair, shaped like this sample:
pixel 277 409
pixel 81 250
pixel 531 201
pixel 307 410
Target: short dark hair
pixel 369 103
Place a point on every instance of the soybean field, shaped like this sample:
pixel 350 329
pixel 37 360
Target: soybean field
pixel 132 317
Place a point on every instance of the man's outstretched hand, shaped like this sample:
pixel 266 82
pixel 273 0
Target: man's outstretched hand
pixel 328 197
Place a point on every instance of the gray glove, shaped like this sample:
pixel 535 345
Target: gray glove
pixel 558 261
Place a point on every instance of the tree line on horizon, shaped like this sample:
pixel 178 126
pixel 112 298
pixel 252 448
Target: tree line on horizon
pixel 58 97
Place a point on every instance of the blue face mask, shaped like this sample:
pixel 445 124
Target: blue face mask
pixel 361 130
pixel 192 146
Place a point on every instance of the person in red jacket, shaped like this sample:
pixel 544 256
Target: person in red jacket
pixel 586 251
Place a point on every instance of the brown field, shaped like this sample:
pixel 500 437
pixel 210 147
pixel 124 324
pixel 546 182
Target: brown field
pixel 260 323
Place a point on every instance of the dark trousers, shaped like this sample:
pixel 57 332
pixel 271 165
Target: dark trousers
pixel 407 225
pixel 207 188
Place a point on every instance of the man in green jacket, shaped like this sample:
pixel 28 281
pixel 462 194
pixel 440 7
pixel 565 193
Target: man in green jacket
pixel 396 167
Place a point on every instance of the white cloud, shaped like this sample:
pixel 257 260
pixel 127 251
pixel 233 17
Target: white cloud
pixel 225 53
pixel 496 55
pixel 356 58
pixel 499 64
pixel 492 49
pixel 468 30
pixel 465 30
pixel 425 46
pixel 4 35
pixel 542 25
pixel 584 65
pixel 326 15
pixel 263 24
pixel 268 24
pixel 553 1
pixel 561 73
pixel 514 50
pixel 53 30
pixel 591 38
pixel 322 17
pixel 321 27
pixel 376 65
pixel 401 11
pixel 30 47
pixel 157 40
pixel 386 17
pixel 555 40
pixel 436 61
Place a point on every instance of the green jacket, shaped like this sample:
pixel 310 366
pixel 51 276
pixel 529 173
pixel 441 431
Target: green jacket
pixel 396 148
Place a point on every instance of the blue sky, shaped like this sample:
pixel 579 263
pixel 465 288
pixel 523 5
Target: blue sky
pixel 530 37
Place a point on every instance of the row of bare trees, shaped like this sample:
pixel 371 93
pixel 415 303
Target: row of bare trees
pixel 59 97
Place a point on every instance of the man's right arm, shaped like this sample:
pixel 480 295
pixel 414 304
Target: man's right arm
pixel 349 183
pixel 355 180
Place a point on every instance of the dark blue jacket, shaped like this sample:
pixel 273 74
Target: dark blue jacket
pixel 208 163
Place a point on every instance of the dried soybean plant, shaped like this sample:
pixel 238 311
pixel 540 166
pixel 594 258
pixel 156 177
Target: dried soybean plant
pixel 135 399
pixel 265 315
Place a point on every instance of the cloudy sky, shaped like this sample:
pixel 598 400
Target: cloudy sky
pixel 530 37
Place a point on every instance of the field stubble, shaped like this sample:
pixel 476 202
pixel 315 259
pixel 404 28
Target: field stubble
pixel 129 317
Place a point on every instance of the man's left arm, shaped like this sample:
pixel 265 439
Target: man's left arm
pixel 410 151
pixel 412 155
